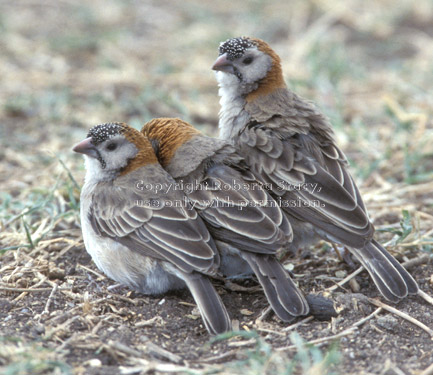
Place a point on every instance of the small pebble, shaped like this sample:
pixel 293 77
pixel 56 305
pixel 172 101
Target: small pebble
pixel 354 285
pixel 95 362
pixel 289 267
pixel 388 322
pixel 341 274
pixel 39 328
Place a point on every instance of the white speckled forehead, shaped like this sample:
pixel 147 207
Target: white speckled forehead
pixel 102 132
pixel 235 47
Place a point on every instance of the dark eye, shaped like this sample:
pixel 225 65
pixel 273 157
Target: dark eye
pixel 248 60
pixel 111 146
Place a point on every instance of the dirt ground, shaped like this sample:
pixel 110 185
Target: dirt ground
pixel 66 66
pixel 98 329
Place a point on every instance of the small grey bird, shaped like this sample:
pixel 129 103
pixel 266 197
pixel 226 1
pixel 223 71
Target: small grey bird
pixel 148 239
pixel 289 145
pixel 245 221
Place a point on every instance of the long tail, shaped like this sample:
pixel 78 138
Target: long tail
pixel 390 277
pixel 282 293
pixel 212 309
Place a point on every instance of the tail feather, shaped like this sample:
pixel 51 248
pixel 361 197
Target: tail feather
pixel 212 309
pixel 412 286
pixel 283 295
pixel 390 277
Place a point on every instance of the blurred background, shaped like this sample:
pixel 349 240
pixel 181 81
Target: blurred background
pixel 68 65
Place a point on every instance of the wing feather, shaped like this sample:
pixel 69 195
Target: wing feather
pixel 250 218
pixel 328 196
pixel 158 229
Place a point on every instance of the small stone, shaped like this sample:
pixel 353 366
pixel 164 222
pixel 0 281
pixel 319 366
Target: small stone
pixel 40 329
pixel 341 274
pixel 354 285
pixel 289 267
pixel 94 362
pixel 388 322
pixel 56 274
pixel 195 311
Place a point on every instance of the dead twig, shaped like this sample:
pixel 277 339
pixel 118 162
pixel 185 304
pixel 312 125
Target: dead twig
pixel 416 261
pixel 29 290
pixel 425 296
pixel 218 357
pixel 67 342
pixel 149 322
pixel 401 315
pixel 60 327
pixel 428 370
pixel 271 331
pixel 367 318
pixel 49 299
pixel 322 340
pixel 119 347
pixel 296 325
pixel 155 350
pixel 124 299
pixel 239 344
pixel 75 309
pixel 101 276
pixel 345 280
pixel 263 315
pixel 337 251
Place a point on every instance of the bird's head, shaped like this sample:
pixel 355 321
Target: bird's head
pixel 167 135
pixel 250 65
pixel 114 149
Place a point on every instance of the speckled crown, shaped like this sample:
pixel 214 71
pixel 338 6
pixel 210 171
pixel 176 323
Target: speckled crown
pixel 235 47
pixel 102 132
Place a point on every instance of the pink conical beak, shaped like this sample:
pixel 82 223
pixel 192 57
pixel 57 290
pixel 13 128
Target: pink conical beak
pixel 86 147
pixel 223 64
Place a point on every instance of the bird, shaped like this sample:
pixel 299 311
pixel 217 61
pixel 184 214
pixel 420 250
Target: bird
pixel 289 145
pixel 138 231
pixel 244 220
